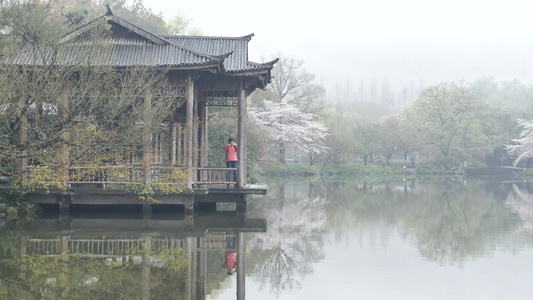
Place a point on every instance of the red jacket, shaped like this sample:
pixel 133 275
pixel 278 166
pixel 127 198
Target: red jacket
pixel 230 261
pixel 231 152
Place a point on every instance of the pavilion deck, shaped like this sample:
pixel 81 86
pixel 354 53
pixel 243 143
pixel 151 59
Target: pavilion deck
pixel 110 185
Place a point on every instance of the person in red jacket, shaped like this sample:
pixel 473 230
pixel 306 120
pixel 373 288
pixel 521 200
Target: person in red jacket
pixel 230 261
pixel 231 158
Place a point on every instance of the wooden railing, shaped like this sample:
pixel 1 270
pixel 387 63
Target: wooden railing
pixel 121 174
pixel 106 174
pixel 128 174
pixel 216 176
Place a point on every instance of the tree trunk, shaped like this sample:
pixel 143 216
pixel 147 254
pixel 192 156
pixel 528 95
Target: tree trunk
pixel 282 153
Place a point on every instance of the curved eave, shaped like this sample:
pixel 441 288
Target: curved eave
pixel 255 69
pixel 247 73
pixel 212 67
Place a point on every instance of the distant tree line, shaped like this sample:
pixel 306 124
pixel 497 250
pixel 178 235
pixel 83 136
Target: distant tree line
pixel 447 125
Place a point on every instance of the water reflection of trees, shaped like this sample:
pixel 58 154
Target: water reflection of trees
pixel 450 220
pixel 520 200
pixel 296 219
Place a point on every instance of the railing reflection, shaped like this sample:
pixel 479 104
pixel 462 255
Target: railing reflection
pixel 60 257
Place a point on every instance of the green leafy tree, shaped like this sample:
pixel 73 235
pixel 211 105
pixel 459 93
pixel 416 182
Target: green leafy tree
pixel 390 137
pixel 366 136
pixel 447 120
pixel 180 25
pixel 340 140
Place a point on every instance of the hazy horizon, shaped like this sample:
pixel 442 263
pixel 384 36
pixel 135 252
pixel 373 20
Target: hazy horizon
pixel 407 41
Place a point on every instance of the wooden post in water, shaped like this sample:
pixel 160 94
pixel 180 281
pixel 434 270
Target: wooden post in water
pixel 202 269
pixel 189 244
pixel 241 268
pixel 146 269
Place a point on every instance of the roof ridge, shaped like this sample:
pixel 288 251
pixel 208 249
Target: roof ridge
pixel 246 37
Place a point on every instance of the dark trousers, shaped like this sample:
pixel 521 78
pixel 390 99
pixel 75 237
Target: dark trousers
pixel 232 164
pixel 231 243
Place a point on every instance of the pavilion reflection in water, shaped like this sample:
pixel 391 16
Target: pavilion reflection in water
pixel 82 257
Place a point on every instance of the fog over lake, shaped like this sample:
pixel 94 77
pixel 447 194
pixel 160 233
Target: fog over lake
pixel 403 41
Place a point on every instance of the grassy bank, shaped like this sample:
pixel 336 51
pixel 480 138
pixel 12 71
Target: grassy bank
pixel 370 170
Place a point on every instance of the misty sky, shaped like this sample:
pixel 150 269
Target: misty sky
pixel 409 40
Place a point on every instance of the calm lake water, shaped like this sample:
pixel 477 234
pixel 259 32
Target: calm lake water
pixel 413 239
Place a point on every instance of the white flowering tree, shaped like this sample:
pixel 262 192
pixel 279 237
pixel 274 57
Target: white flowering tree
pixel 523 146
pixel 290 127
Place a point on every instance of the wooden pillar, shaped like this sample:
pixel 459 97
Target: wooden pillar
pixel 22 247
pixel 173 137
pixel 155 147
pixel 147 136
pixel 206 135
pixel 242 135
pixel 160 149
pixel 180 155
pixel 189 131
pixel 65 136
pixel 63 246
pixel 22 163
pixel 203 134
pixel 196 126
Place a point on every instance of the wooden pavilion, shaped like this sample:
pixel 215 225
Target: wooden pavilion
pixel 207 71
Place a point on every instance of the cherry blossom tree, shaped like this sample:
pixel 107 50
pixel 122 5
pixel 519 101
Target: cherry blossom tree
pixel 523 146
pixel 290 127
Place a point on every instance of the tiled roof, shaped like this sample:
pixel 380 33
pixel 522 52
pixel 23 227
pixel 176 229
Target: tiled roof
pixel 142 48
pixel 237 61
pixel 118 53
